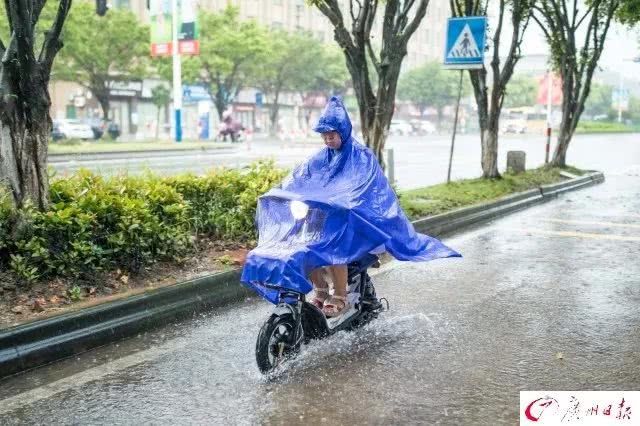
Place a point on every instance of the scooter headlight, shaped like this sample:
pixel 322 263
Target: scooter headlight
pixel 299 209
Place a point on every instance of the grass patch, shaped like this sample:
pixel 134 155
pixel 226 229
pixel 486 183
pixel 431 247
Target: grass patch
pixel 98 146
pixel 443 197
pixel 605 127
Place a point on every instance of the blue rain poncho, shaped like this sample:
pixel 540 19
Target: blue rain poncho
pixel 331 210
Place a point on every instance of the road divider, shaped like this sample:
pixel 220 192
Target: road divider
pixel 40 342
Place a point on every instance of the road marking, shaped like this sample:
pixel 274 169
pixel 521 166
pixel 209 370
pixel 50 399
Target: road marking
pixel 573 234
pixel 587 222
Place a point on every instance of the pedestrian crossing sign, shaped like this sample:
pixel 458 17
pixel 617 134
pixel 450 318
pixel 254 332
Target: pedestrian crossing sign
pixel 464 47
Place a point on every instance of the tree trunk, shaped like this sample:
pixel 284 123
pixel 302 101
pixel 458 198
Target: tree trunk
pixel 565 134
pixel 219 102
pixel 490 153
pixel 273 114
pixel 103 100
pixel 23 152
pixel 488 121
pixel 25 123
pixel 158 123
pixel 376 111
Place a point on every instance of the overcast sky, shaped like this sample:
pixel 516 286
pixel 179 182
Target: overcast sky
pixel 621 46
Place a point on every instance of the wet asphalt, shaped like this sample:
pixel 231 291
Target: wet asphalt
pixel 544 299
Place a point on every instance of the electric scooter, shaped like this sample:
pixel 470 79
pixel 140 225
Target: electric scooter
pixel 295 321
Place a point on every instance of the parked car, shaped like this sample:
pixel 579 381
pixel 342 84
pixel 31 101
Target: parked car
pixel 400 127
pixel 423 127
pixel 515 126
pixel 73 129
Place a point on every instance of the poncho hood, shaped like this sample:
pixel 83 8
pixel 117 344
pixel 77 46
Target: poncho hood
pixel 331 210
pixel 335 118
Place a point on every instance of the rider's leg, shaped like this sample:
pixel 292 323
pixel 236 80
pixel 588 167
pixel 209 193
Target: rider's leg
pixel 338 302
pixel 320 285
pixel 339 278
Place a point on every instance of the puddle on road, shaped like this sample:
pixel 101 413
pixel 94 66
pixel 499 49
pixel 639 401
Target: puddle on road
pixel 370 341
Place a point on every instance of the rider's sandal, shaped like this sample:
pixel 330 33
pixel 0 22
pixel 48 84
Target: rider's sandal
pixel 318 300
pixel 331 308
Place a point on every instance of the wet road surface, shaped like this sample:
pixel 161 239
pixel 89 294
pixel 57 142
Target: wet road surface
pixel 544 299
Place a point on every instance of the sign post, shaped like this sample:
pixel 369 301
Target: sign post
pixel 549 88
pixel 177 73
pixel 174 32
pixel 464 49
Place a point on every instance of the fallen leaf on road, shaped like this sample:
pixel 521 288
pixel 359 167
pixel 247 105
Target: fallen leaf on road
pixel 54 299
pixel 559 355
pixel 124 279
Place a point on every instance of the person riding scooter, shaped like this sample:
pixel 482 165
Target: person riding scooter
pixel 332 210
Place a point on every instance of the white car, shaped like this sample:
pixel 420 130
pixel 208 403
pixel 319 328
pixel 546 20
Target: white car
pixel 424 127
pixel 74 129
pixel 400 127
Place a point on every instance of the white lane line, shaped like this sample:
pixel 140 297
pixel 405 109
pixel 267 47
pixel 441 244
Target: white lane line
pixel 571 234
pixel 74 381
pixel 588 222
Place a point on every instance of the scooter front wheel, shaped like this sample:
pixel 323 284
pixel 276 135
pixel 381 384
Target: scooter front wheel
pixel 277 341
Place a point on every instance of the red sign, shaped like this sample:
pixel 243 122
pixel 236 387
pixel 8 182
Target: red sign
pixel 185 47
pixel 556 90
pixel 160 49
pixel 189 47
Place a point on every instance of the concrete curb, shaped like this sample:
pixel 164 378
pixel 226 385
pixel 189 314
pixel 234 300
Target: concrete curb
pixel 40 342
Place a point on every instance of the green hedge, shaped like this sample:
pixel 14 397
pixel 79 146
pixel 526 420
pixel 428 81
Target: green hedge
pixel 605 127
pixel 94 223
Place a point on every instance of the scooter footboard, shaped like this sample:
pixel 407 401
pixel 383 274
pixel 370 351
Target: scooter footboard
pixel 314 322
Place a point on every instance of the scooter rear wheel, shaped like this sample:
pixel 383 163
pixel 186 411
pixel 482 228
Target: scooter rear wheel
pixel 277 341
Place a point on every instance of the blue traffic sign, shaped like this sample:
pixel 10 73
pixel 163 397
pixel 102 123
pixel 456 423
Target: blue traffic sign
pixel 464 48
pixel 195 94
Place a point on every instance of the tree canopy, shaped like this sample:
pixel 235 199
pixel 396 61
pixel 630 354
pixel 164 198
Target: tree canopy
pixel 298 63
pixel 576 35
pixel 100 50
pixel 375 90
pixel 521 91
pixel 232 53
pixel 429 85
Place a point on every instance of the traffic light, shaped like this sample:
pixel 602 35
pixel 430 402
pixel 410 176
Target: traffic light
pixel 101 7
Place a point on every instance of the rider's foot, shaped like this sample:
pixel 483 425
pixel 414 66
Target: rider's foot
pixel 335 306
pixel 321 295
